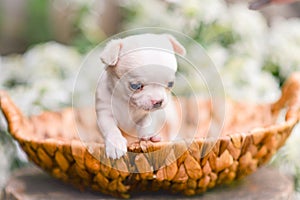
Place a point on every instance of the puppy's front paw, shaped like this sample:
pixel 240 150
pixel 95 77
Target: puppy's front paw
pixel 115 147
pixel 155 138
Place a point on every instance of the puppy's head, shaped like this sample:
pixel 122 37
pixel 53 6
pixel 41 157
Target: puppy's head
pixel 143 68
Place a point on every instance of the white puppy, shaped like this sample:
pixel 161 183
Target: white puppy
pixel 133 94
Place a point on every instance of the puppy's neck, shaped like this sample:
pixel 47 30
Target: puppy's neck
pixel 138 114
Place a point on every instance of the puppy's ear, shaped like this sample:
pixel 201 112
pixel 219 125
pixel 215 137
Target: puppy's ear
pixel 110 54
pixel 177 47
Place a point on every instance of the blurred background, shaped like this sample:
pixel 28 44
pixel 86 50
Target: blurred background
pixel 43 43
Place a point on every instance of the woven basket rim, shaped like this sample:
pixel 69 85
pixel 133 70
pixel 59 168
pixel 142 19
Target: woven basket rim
pixel 290 98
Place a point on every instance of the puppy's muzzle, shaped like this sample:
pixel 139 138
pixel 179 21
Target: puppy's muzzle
pixel 156 104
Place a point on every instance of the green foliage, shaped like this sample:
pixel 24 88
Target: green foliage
pixel 79 41
pixel 130 13
pixel 207 34
pixel 274 69
pixel 82 44
pixel 38 29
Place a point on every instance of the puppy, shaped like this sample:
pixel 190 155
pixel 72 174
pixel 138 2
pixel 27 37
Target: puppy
pixel 133 94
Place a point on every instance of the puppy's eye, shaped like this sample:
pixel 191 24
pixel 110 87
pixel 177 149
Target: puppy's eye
pixel 170 84
pixel 136 86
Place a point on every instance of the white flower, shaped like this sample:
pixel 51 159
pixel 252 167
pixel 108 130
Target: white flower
pixel 41 79
pixel 51 60
pixel 218 55
pixel 153 13
pixel 251 29
pixel 244 80
pixel 246 23
pixel 285 45
pixel 207 11
pixel 41 95
pixel 25 98
pixel 52 94
pixel 253 48
pixel 12 71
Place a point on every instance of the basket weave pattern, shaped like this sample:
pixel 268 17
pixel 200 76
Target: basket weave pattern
pixel 51 142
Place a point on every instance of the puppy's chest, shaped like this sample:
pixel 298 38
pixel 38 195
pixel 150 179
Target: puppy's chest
pixel 127 119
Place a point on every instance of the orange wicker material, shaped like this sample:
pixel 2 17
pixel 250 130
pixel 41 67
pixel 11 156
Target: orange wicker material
pixel 250 137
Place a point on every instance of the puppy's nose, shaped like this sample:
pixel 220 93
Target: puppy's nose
pixel 156 103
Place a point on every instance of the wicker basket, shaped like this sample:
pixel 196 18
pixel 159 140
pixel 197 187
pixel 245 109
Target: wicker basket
pixel 251 136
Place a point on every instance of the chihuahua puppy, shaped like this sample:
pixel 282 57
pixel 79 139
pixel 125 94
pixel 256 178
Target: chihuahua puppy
pixel 133 94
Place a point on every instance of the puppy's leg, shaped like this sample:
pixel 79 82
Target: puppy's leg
pixel 115 143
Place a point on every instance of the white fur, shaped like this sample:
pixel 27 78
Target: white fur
pixel 145 58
